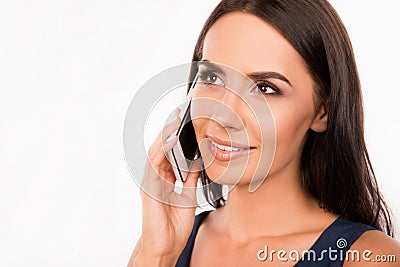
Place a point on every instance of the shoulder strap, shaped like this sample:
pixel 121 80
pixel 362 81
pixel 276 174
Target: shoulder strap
pixel 331 247
pixel 184 258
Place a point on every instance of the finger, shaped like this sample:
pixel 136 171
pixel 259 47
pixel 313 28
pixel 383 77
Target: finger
pixel 191 180
pixel 160 154
pixel 161 164
pixel 189 189
pixel 170 128
pixel 163 135
pixel 154 184
pixel 167 146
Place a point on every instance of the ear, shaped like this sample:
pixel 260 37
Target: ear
pixel 319 123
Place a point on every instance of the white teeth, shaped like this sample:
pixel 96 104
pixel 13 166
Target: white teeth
pixel 226 148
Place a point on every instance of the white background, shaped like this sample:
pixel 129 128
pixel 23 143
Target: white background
pixel 68 71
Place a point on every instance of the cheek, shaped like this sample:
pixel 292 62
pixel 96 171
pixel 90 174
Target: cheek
pixel 291 124
pixel 198 125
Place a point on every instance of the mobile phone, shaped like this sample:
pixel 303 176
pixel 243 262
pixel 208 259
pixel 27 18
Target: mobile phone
pixel 186 152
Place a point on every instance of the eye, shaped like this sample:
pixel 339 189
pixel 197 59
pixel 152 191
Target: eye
pixel 267 88
pixel 209 77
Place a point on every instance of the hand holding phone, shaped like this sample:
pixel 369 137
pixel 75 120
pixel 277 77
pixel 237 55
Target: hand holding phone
pixel 185 154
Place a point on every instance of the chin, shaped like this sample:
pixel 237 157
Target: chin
pixel 225 176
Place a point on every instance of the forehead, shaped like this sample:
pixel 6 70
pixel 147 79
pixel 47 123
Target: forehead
pixel 248 43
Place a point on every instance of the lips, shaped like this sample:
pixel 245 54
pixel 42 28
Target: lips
pixel 225 151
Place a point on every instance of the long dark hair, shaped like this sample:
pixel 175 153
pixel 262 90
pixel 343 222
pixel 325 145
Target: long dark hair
pixel 336 169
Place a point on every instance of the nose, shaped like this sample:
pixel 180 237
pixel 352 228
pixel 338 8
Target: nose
pixel 226 111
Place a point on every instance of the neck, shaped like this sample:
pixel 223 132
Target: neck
pixel 280 206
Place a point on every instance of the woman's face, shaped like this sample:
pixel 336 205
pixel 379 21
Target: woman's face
pixel 250 45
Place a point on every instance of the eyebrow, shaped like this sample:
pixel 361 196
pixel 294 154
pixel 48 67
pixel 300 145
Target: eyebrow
pixel 268 75
pixel 213 66
pixel 260 75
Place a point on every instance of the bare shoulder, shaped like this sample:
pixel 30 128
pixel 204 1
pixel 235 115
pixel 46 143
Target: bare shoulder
pixel 375 249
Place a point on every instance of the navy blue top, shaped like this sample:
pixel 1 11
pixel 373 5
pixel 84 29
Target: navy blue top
pixel 337 238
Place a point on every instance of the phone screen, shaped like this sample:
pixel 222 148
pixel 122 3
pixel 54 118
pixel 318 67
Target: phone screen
pixel 187 138
pixel 186 150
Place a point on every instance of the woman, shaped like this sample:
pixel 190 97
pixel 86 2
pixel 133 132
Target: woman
pixel 320 188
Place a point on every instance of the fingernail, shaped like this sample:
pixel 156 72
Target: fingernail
pixel 171 137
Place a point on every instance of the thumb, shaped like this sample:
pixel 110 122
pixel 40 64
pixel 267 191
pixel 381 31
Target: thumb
pixel 190 185
pixel 188 195
pixel 191 181
pixel 193 174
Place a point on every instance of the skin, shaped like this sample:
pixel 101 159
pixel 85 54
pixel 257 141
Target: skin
pixel 249 221
pixel 266 216
pixel 279 213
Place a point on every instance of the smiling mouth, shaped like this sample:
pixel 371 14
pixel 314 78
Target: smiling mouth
pixel 224 152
